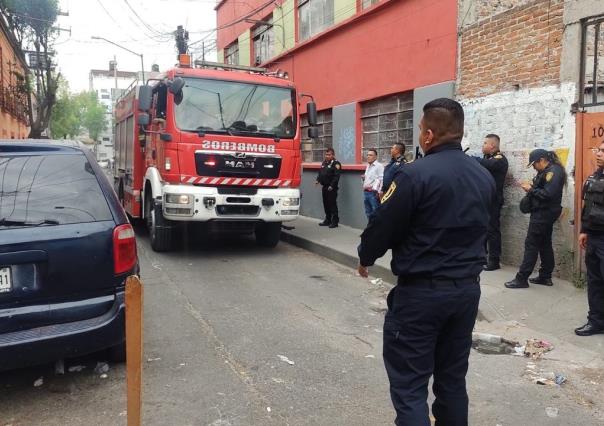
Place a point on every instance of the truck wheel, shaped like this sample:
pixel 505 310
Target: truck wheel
pixel 268 234
pixel 160 232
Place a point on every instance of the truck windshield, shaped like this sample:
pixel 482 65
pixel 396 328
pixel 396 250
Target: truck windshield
pixel 214 106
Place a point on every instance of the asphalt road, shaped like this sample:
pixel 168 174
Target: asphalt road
pixel 219 318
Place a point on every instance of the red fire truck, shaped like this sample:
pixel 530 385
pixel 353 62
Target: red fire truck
pixel 213 143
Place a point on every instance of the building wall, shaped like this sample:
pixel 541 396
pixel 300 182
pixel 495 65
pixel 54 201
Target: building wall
pixel 13 119
pixel 509 81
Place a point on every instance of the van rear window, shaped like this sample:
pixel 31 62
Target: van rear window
pixel 53 189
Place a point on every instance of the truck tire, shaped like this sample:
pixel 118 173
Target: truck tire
pixel 268 234
pixel 160 231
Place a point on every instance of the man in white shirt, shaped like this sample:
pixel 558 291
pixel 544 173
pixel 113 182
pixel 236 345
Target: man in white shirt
pixel 372 182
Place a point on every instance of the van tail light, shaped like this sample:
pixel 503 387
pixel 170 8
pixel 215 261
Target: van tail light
pixel 124 249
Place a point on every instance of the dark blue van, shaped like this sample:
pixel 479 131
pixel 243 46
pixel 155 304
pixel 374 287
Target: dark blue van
pixel 66 248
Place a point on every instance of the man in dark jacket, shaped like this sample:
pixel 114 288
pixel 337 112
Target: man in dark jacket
pixel 434 217
pixel 591 240
pixel 396 162
pixel 496 163
pixel 328 178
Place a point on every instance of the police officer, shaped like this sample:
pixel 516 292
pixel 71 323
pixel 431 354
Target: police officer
pixel 398 159
pixel 544 197
pixel 434 217
pixel 592 239
pixel 328 178
pixel 496 163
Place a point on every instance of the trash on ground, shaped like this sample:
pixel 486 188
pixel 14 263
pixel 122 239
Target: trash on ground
pixel 60 367
pixel 101 368
pixel 369 356
pixel 551 412
pixel 76 368
pixel 182 364
pixel 153 359
pixel 535 348
pixel 560 379
pixel 377 281
pixel 491 344
pixel 39 382
pixel 268 409
pixel 103 376
pixel 286 359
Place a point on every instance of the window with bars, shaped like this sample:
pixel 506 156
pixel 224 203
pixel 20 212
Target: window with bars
pixel 314 16
pixel 264 39
pixel 314 150
pixel 592 62
pixel 368 3
pixel 386 121
pixel 231 54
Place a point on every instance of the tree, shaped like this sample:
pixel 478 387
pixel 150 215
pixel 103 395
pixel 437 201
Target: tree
pixel 74 113
pixel 31 22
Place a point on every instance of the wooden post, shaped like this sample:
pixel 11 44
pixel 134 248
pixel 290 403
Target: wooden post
pixel 134 349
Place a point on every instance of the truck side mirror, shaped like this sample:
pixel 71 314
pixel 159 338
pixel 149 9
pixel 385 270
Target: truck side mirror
pixel 145 98
pixel 311 110
pixel 143 119
pixel 313 132
pixel 175 86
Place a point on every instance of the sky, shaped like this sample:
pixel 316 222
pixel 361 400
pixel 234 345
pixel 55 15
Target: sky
pixel 150 35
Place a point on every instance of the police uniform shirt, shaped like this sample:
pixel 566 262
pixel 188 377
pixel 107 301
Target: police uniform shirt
pixel 592 214
pixel 497 164
pixel 434 217
pixel 390 171
pixel 546 194
pixel 329 174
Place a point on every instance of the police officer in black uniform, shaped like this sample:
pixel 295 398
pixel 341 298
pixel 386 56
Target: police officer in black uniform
pixel 398 160
pixel 496 163
pixel 544 201
pixel 328 178
pixel 434 217
pixel 592 239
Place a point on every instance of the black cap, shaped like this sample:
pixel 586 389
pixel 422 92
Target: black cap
pixel 536 155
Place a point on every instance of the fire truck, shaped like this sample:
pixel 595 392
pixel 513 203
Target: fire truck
pixel 211 143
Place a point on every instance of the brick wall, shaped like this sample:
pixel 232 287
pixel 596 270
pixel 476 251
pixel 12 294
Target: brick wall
pixel 519 48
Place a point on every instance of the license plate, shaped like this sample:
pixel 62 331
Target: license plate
pixel 6 284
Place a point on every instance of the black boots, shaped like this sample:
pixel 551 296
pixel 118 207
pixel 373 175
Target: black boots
pixel 517 283
pixel 326 222
pixel 492 265
pixel 541 281
pixel 589 329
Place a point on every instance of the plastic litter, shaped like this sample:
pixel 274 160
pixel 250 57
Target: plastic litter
pixel 560 379
pixel 268 409
pixel 535 348
pixel 369 356
pixel 153 359
pixel 60 367
pixel 551 412
pixel 76 368
pixel 101 368
pixel 286 359
pixel 377 281
pixel 103 376
pixel 39 382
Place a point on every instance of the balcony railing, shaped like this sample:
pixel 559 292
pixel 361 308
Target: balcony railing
pixel 14 103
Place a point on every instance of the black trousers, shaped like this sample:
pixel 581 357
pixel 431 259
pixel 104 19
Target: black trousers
pixel 594 260
pixel 330 204
pixel 494 234
pixel 538 243
pixel 428 331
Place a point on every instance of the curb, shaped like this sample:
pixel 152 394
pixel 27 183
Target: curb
pixel 337 256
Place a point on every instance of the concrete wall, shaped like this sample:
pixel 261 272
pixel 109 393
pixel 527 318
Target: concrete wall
pixel 350 198
pixel 527 119
pixel 423 95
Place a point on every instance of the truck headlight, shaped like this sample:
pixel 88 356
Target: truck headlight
pixel 290 201
pixel 178 199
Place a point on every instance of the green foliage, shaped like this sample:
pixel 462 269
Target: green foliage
pixel 74 113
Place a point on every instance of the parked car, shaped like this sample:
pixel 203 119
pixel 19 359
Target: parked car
pixel 66 248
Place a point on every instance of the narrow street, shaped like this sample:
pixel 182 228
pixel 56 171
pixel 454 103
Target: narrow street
pixel 218 323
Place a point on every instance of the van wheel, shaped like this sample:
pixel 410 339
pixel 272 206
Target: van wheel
pixel 268 234
pixel 160 231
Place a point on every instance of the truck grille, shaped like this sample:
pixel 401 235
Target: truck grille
pixel 237 210
pixel 237 165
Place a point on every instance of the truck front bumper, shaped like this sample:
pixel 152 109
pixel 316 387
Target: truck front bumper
pixel 203 203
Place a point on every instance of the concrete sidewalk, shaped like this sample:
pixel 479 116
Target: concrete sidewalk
pixel 549 313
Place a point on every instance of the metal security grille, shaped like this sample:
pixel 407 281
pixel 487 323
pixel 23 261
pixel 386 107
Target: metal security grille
pixel 314 150
pixel 386 121
pixel 592 62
